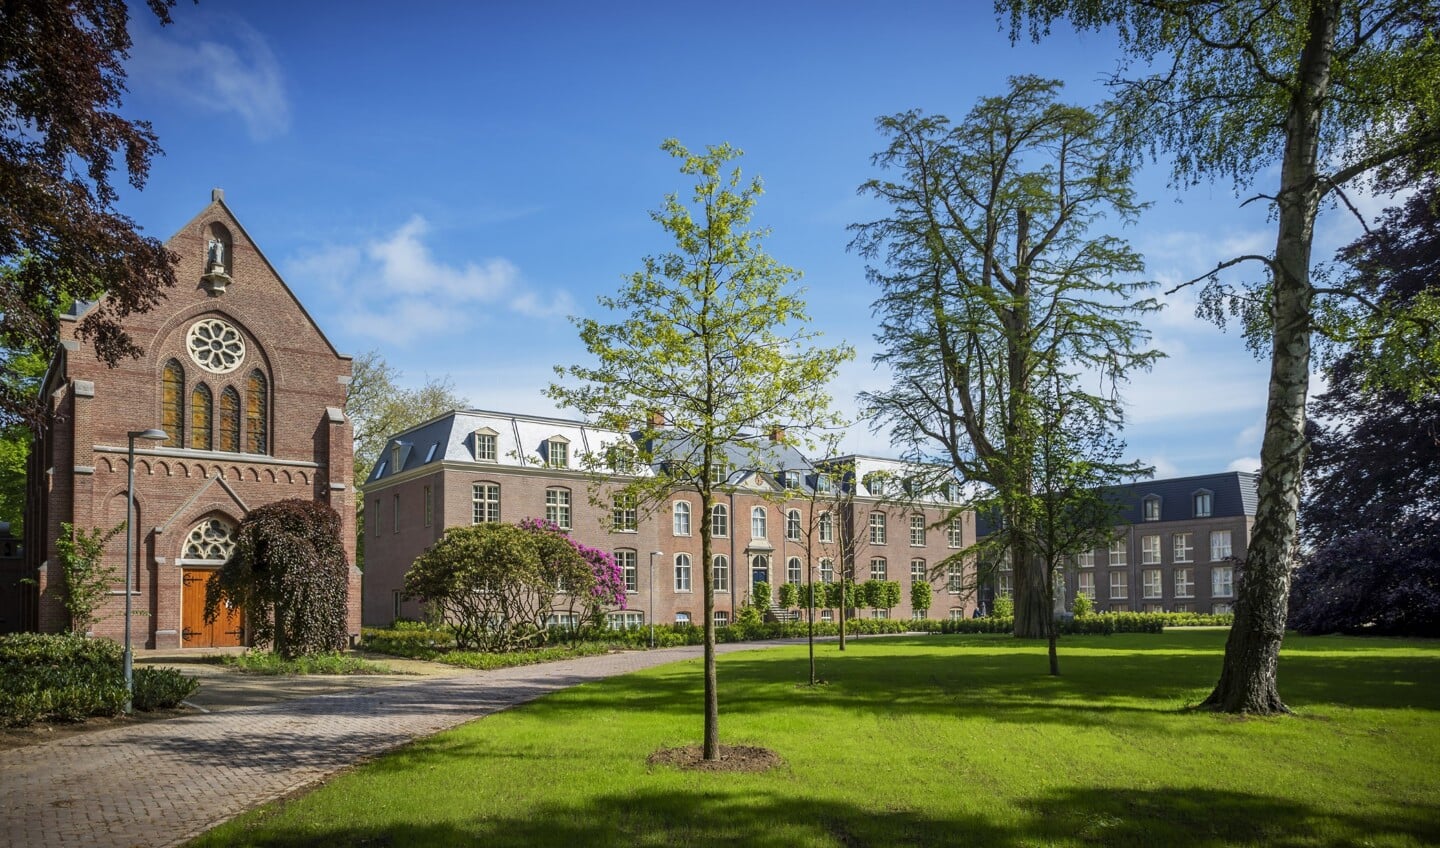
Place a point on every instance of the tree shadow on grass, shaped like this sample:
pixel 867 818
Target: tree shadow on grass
pixel 714 812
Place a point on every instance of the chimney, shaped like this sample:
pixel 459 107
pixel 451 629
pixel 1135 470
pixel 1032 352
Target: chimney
pixel 655 419
pixel 777 434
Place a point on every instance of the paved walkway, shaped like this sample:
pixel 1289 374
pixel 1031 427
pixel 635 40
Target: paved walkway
pixel 161 783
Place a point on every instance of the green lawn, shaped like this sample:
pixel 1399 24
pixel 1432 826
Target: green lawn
pixel 933 740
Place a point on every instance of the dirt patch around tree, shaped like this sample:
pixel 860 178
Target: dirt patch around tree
pixel 746 758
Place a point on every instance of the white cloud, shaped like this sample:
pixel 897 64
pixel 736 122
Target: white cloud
pixel 1163 467
pixel 221 65
pixel 1244 463
pixel 393 288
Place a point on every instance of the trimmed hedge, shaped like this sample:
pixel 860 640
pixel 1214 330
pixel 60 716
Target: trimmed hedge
pixel 425 643
pixel 64 677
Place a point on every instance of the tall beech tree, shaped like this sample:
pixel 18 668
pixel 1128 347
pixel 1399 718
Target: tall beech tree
pixel 714 336
pixel 995 279
pixel 1370 512
pixel 1334 93
pixel 62 77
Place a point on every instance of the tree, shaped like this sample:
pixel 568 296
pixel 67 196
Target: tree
pixel 24 372
pixel 1370 512
pixel 378 408
pixel 921 596
pixel 712 335
pixel 993 280
pixel 88 579
pixel 60 238
pixel 1334 92
pixel 289 574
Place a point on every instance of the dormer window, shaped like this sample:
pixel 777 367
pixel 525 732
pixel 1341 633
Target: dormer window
pixel 1150 508
pixel 719 473
pixel 790 479
pixel 874 483
pixel 395 458
pixel 823 484
pixel 1203 500
pixel 485 445
pixel 557 452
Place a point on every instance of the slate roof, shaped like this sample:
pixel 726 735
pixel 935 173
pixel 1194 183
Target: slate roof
pixel 1233 494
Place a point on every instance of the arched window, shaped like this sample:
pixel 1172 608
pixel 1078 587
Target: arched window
pixel 200 408
pixel 256 418
pixel 792 570
pixel 722 573
pixel 229 423
pixel 212 540
pixel 681 523
pixel 792 525
pixel 827 571
pixel 172 403
pixel 827 527
pixel 682 572
pixel 719 520
pixel 757 523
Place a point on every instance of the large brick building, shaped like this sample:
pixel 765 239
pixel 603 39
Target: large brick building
pixel 772 525
pixel 1177 546
pixel 251 395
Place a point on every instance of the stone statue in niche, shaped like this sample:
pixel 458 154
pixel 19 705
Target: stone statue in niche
pixel 215 254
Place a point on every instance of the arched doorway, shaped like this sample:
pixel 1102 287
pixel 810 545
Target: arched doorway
pixel 207 547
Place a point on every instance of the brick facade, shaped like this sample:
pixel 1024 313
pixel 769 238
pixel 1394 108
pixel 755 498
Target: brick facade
pixel 440 457
pixel 78 465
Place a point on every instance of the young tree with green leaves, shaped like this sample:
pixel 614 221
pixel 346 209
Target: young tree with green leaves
pixel 88 580
pixel 1326 94
pixel 996 276
pixel 713 334
pixel 379 407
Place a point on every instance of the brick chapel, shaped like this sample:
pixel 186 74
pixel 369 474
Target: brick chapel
pixel 251 396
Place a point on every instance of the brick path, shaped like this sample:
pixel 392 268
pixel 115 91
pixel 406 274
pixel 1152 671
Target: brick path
pixel 164 782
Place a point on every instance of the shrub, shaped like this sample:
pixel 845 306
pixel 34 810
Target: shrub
pixel 45 677
pixel 162 688
pixel 414 640
pixel 789 595
pixel 1081 606
pixel 1004 607
pixel 267 662
pixel 921 595
pixel 290 576
pixel 761 595
pixel 87 579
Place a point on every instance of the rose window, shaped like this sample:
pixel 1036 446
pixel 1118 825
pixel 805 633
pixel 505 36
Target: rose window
pixel 215 346
pixel 211 539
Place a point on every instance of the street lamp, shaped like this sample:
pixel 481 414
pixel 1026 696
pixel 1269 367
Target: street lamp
pixel 154 434
pixel 651 614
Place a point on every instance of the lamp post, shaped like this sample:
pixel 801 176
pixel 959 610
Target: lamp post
pixel 651 614
pixel 155 435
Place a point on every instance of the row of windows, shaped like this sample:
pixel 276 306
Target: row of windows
pixel 204 429
pixel 1201 505
pixel 1152 583
pixel 1182 549
pixel 825 530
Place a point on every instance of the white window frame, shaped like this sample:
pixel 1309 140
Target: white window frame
pixel 1150 508
pixel 827 527
pixel 624 513
pixel 794 570
pixel 1152 584
pixel 1119 552
pixel 917 531
pixel 954 579
pixel 1119 585
pixel 720 568
pixel 682 573
pixel 1202 503
pixel 792 525
pixel 879 568
pixel 682 618
pixel 485 447
pixel 1221 545
pixel 953 534
pixel 629 562
pixel 484 503
pixel 1085 584
pixel 827 570
pixel 719 521
pixel 722 618
pixel 1183 547
pixel 1222 581
pixel 1085 559
pixel 1150 550
pixel 557 506
pixel 877 528
pixel 759 523
pixel 680 518
pixel 1184 582
pixel 919 571
pixel 557 453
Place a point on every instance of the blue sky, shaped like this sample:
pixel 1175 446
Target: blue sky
pixel 446 184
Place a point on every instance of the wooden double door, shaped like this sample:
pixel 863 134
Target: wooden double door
pixel 196 632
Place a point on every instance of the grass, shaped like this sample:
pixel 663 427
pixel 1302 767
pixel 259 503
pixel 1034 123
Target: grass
pixel 269 662
pixel 934 740
pixel 485 660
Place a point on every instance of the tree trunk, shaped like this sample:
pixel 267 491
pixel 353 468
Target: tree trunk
pixel 707 576
pixel 1252 653
pixel 1031 609
pixel 1054 655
